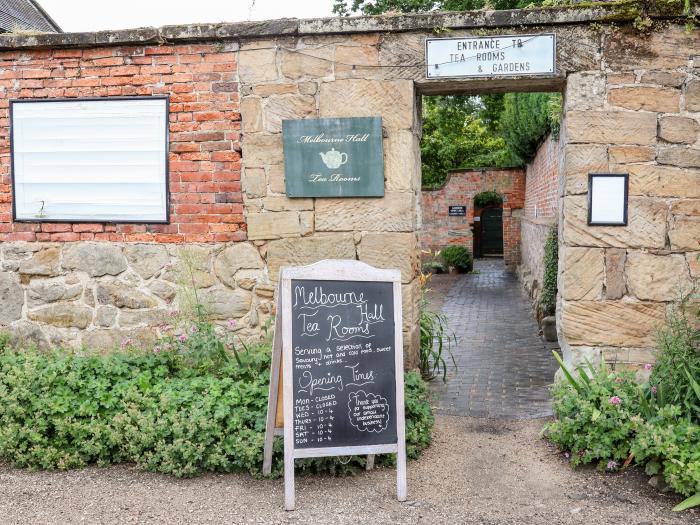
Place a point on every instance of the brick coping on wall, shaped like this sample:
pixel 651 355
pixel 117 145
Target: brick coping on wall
pixel 470 170
pixel 575 14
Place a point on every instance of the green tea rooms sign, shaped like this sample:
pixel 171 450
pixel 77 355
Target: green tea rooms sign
pixel 334 157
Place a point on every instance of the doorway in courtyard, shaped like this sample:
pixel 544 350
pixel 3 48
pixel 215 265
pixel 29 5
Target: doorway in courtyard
pixel 490 184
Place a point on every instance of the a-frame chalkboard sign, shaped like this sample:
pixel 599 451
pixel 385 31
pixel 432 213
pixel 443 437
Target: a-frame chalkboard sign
pixel 339 347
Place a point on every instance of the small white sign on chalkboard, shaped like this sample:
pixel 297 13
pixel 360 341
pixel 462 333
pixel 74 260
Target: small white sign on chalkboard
pixel 491 56
pixel 339 346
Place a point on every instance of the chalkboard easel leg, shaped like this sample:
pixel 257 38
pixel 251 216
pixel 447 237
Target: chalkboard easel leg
pixel 289 483
pixel 370 462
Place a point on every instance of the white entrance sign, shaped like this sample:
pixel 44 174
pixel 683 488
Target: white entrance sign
pixel 490 56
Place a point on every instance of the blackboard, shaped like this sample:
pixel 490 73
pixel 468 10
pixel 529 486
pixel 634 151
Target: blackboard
pixel 343 363
pixel 457 211
pixel 338 359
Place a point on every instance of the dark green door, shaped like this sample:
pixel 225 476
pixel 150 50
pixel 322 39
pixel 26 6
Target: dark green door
pixel 492 231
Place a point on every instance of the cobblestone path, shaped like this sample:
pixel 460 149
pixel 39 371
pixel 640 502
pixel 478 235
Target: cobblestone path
pixel 504 368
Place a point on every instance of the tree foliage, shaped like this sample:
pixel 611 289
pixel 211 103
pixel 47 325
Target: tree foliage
pixel 454 136
pixel 377 7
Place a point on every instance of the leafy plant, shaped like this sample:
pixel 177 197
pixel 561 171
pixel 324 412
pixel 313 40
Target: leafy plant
pixel 677 368
pixel 433 267
pixel 435 339
pixel 547 301
pixel 487 198
pixel 182 410
pixel 458 257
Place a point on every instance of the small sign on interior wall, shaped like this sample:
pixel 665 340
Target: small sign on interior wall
pixel 607 199
pixel 333 157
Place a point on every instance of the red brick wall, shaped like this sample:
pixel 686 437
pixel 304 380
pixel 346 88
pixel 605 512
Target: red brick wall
pixel 440 230
pixel 539 214
pixel 201 80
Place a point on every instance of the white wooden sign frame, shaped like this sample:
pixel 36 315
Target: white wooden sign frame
pixel 328 270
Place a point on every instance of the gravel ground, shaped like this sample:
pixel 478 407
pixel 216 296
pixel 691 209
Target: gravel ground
pixel 477 471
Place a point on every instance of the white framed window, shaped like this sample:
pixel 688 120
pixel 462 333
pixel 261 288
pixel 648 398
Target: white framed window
pixel 90 160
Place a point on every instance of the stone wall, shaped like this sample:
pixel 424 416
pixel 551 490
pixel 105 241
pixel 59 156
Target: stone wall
pixel 637 113
pixel 460 188
pixel 539 213
pixel 102 295
pixel 632 104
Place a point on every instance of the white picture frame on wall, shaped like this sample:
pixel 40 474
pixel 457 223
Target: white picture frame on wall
pixel 607 199
pixel 90 160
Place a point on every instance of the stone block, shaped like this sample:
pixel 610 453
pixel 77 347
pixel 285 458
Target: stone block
pixel 262 150
pixel 273 225
pixel 26 334
pixel 307 63
pixel 236 257
pixel 692 96
pixel 287 107
pixel 256 66
pixel 615 286
pixel 644 98
pixel 254 183
pixel 226 304
pixel 247 279
pixel 646 226
pixel 582 273
pixel 393 100
pixel 11 298
pixel 402 167
pixel 681 130
pixel 392 250
pixel 131 318
pixel 275 178
pixel 658 51
pixel 282 203
pixel 664 78
pixel 682 156
pixel 657 277
pixel 613 323
pixel 106 316
pixel 585 91
pixel 663 181
pixel 348 56
pixel 611 127
pixel 579 161
pixel 163 290
pixel 410 300
pixel 42 291
pixel 146 259
pixel 684 233
pixel 63 315
pixel 308 250
pixel 95 259
pixel 251 115
pixel 265 90
pixel 396 211
pixel 44 262
pixel 122 296
pixel 693 260
pixel 630 154
pixel 686 207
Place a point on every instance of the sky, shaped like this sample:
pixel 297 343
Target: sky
pixel 94 15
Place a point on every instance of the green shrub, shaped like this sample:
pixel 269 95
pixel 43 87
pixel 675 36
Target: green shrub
pixel 547 302
pixel 458 257
pixel 193 404
pixel 677 364
pixel 597 420
pixel 487 198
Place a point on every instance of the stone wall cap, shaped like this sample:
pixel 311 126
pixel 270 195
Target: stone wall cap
pixel 428 22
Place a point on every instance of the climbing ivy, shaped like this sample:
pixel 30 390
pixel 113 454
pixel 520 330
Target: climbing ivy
pixel 548 297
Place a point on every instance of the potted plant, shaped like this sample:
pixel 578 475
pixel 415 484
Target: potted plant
pixel 458 258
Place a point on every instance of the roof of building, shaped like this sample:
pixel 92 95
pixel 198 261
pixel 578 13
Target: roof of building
pixel 25 15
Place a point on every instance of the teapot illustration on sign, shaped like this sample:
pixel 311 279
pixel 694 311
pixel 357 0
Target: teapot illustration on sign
pixel 334 159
